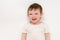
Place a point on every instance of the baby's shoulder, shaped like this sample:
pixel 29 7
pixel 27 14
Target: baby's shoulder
pixel 44 24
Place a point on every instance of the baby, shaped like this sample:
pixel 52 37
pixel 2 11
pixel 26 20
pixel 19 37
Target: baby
pixel 35 29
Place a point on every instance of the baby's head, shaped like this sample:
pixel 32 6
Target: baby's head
pixel 34 13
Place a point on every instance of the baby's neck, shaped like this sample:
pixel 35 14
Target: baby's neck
pixel 35 23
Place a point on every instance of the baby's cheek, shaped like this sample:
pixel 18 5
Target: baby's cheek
pixel 30 19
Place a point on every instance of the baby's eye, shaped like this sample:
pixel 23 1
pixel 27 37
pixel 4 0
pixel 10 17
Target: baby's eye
pixel 36 13
pixel 30 14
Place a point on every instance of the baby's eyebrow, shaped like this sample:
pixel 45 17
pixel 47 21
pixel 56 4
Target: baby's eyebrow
pixel 30 13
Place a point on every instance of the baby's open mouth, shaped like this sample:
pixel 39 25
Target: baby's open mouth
pixel 34 19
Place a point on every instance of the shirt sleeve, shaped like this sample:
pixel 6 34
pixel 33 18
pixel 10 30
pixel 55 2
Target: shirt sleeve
pixel 24 29
pixel 46 29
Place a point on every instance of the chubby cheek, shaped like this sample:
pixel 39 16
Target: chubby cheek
pixel 38 18
pixel 30 18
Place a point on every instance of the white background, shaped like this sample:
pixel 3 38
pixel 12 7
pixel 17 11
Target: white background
pixel 13 16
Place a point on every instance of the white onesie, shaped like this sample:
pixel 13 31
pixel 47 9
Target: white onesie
pixel 35 32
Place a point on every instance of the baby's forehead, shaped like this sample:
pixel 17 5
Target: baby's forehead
pixel 34 10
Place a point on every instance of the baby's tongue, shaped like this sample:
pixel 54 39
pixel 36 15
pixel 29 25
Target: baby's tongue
pixel 34 19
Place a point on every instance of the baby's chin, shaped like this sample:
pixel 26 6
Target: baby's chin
pixel 34 22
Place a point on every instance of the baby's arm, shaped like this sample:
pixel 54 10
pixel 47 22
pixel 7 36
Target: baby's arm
pixel 24 36
pixel 47 36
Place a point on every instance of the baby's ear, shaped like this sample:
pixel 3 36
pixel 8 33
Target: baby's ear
pixel 41 14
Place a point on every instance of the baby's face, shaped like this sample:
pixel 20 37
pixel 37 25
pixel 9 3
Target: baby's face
pixel 34 16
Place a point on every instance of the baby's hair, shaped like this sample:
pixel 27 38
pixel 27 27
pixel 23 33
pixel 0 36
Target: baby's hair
pixel 35 6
